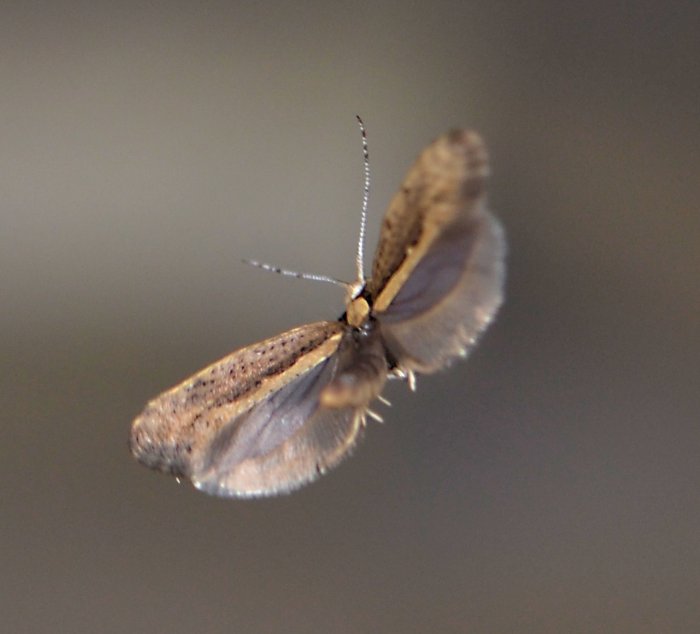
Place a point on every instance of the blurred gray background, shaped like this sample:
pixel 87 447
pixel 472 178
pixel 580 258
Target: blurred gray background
pixel 549 484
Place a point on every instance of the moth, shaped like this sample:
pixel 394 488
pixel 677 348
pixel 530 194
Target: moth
pixel 275 415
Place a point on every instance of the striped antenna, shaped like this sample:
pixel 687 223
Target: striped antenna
pixel 365 202
pixel 301 276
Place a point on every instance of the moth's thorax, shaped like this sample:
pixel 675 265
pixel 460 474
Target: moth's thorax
pixel 357 312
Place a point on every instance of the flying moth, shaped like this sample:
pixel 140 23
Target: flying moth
pixel 275 415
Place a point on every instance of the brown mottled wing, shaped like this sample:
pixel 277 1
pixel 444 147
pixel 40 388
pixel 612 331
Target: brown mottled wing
pixel 253 424
pixel 438 272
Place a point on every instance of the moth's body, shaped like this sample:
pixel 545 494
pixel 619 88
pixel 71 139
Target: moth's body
pixel 272 416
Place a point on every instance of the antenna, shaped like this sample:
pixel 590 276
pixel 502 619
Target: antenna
pixel 365 202
pixel 301 276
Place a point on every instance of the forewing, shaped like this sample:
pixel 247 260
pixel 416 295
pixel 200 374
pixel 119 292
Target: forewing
pixel 438 281
pixel 445 183
pixel 175 428
pixel 271 438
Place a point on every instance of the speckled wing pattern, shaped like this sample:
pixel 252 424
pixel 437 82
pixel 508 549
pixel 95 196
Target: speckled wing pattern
pixel 437 277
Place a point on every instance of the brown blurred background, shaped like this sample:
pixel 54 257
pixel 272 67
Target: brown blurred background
pixel 550 484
